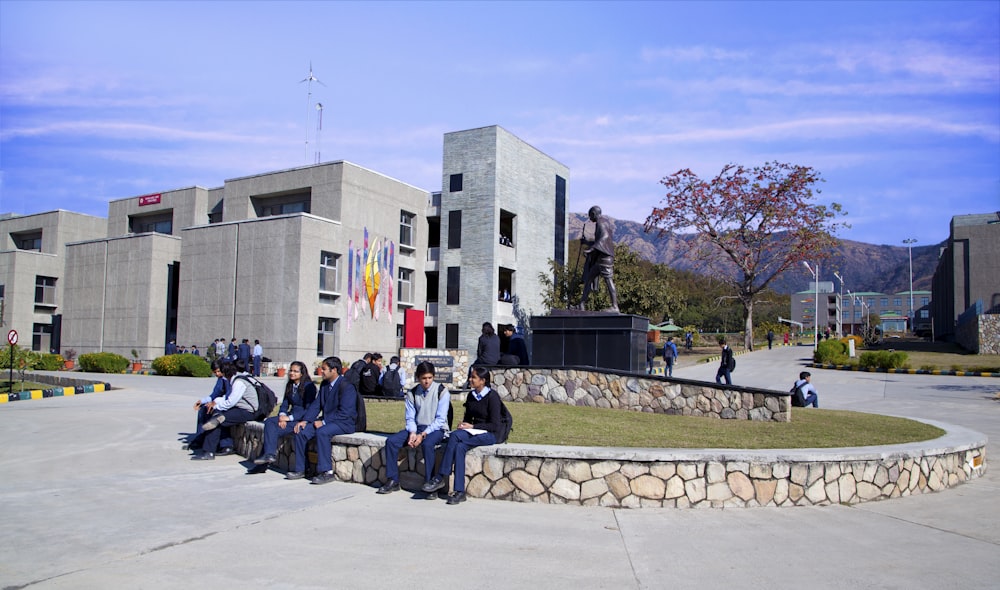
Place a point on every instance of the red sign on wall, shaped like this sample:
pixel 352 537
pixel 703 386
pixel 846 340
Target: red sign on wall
pixel 149 199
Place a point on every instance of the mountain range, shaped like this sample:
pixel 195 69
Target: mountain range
pixel 864 267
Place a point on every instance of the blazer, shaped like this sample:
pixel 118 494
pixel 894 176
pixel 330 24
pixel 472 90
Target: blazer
pixel 337 402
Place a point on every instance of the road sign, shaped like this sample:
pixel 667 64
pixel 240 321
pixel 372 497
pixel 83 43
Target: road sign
pixel 12 337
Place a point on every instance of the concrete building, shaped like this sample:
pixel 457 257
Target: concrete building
pixel 33 296
pixel 850 313
pixel 967 279
pixel 275 256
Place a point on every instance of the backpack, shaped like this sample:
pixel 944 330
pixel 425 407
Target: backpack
pixel 798 400
pixel 392 383
pixel 353 374
pixel 731 365
pixel 369 379
pixel 506 423
pixel 266 400
pixel 361 422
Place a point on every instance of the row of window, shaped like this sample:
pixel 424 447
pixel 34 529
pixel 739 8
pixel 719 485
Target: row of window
pixel 329 279
pixel 884 301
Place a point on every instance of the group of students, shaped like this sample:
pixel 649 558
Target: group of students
pixel 309 412
pixel 370 377
pixel 510 350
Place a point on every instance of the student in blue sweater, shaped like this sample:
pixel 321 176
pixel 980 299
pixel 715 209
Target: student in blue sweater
pixel 300 392
pixel 480 427
pixel 426 418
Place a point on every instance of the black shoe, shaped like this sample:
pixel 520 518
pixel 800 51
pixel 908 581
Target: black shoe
pixel 295 475
pixel 456 497
pixel 204 457
pixel 265 460
pixel 434 485
pixel 225 451
pixel 323 478
pixel 389 487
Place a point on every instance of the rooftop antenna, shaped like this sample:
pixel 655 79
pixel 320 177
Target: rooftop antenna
pixel 319 129
pixel 309 80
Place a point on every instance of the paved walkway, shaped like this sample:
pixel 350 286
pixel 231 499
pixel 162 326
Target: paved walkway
pixel 96 493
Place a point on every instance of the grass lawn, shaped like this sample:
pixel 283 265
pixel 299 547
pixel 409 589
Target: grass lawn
pixel 557 424
pixel 22 386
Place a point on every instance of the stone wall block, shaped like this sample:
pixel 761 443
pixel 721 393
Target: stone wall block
pixel 764 490
pixel 631 502
pixel 619 485
pixel 847 488
pixel 502 489
pixel 647 486
pixel 603 468
pixel 526 482
pixel 816 472
pixel 741 466
pixel 633 470
pixel 493 467
pixel 674 487
pixel 868 491
pixel 780 491
pixel 816 492
pixel 533 466
pixel 663 471
pixel 795 492
pixel 881 476
pixel 715 472
pixel 799 474
pixel 740 485
pixel 610 500
pixel 760 470
pixel 780 470
pixel 577 471
pixel 718 492
pixel 832 472
pixel 695 490
pixel 479 486
pixel 593 489
pixel 565 489
pixel 549 471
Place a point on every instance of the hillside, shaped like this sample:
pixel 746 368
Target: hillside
pixel 865 267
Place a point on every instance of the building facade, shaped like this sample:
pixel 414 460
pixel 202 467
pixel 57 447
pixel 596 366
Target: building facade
pixel 849 314
pixel 320 260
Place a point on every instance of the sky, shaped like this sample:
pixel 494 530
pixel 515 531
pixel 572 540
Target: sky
pixel 896 104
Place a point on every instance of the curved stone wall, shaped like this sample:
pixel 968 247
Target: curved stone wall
pixel 640 393
pixel 636 478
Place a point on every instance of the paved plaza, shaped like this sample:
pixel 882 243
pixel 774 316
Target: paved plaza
pixel 96 493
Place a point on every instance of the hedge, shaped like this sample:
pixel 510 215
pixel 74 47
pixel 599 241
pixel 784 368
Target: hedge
pixel 883 359
pixel 182 365
pixel 103 362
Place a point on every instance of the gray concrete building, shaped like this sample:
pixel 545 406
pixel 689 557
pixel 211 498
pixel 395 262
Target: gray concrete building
pixel 967 278
pixel 273 256
pixel 33 296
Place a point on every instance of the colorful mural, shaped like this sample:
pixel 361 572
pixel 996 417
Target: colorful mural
pixel 370 271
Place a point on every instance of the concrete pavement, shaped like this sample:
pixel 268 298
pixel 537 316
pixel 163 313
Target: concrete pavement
pixel 97 493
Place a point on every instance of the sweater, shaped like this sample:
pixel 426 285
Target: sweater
pixel 484 413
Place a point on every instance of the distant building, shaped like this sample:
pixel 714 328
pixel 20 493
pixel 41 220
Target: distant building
pixel 851 313
pixel 966 284
pixel 274 255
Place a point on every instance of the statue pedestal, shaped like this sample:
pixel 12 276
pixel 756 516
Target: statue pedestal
pixel 591 339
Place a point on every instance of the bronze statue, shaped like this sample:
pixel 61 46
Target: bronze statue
pixel 600 260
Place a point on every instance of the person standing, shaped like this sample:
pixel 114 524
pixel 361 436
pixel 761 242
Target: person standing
pixel 333 412
pixel 426 423
pixel 725 364
pixel 770 339
pixel 650 355
pixel 300 392
pixel 231 353
pixel 243 353
pixel 669 356
pixel 480 426
pixel 258 352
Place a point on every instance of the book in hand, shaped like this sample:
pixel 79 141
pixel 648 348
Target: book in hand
pixel 475 431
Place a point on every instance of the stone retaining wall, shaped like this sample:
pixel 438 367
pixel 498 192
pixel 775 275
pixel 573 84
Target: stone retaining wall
pixel 641 393
pixel 636 478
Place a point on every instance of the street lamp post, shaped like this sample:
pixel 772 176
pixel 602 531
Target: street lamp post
pixel 909 244
pixel 840 324
pixel 815 274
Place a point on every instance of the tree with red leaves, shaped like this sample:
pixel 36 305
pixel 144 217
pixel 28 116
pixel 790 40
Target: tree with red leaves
pixel 751 224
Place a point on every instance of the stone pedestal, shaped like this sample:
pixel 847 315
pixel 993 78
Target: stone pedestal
pixel 592 339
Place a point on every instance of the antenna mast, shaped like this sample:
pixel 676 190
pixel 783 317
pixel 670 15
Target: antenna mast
pixel 319 130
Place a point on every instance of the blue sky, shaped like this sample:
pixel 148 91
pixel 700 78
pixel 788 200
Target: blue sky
pixel 897 104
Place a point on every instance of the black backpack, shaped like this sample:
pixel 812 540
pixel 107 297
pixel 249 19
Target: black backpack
pixel 353 374
pixel 506 423
pixel 798 400
pixel 392 383
pixel 266 400
pixel 361 422
pixel 731 365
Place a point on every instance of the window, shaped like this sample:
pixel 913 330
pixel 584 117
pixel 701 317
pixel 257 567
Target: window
pixel 329 275
pixel 451 335
pixel 454 276
pixel 41 337
pixel 455 183
pixel 407 237
pixel 28 241
pixel 326 337
pixel 283 204
pixel 857 314
pixel 45 290
pixel 924 301
pixel 871 302
pixel 161 223
pixel 924 314
pixel 215 215
pixel 404 286
pixel 506 280
pixel 507 226
pixel 454 229
pixel 884 301
pixel 560 229
pixel 897 301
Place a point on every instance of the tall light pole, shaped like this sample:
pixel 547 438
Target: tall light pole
pixel 909 244
pixel 840 324
pixel 815 274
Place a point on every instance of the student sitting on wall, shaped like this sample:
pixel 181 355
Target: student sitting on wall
pixel 333 412
pixel 236 407
pixel 479 427
pixel 426 420
pixel 300 392
pixel 204 408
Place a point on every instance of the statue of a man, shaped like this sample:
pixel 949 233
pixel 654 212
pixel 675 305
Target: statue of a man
pixel 600 259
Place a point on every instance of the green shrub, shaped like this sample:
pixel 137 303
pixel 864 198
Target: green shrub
pixel 882 359
pixel 51 362
pixel 24 359
pixel 182 365
pixel 103 362
pixel 831 351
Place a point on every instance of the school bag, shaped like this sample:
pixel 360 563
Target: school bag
pixel 353 374
pixel 392 383
pixel 506 422
pixel 731 365
pixel 361 422
pixel 266 400
pixel 798 400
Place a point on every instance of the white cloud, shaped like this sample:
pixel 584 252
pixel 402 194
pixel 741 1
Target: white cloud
pixel 695 53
